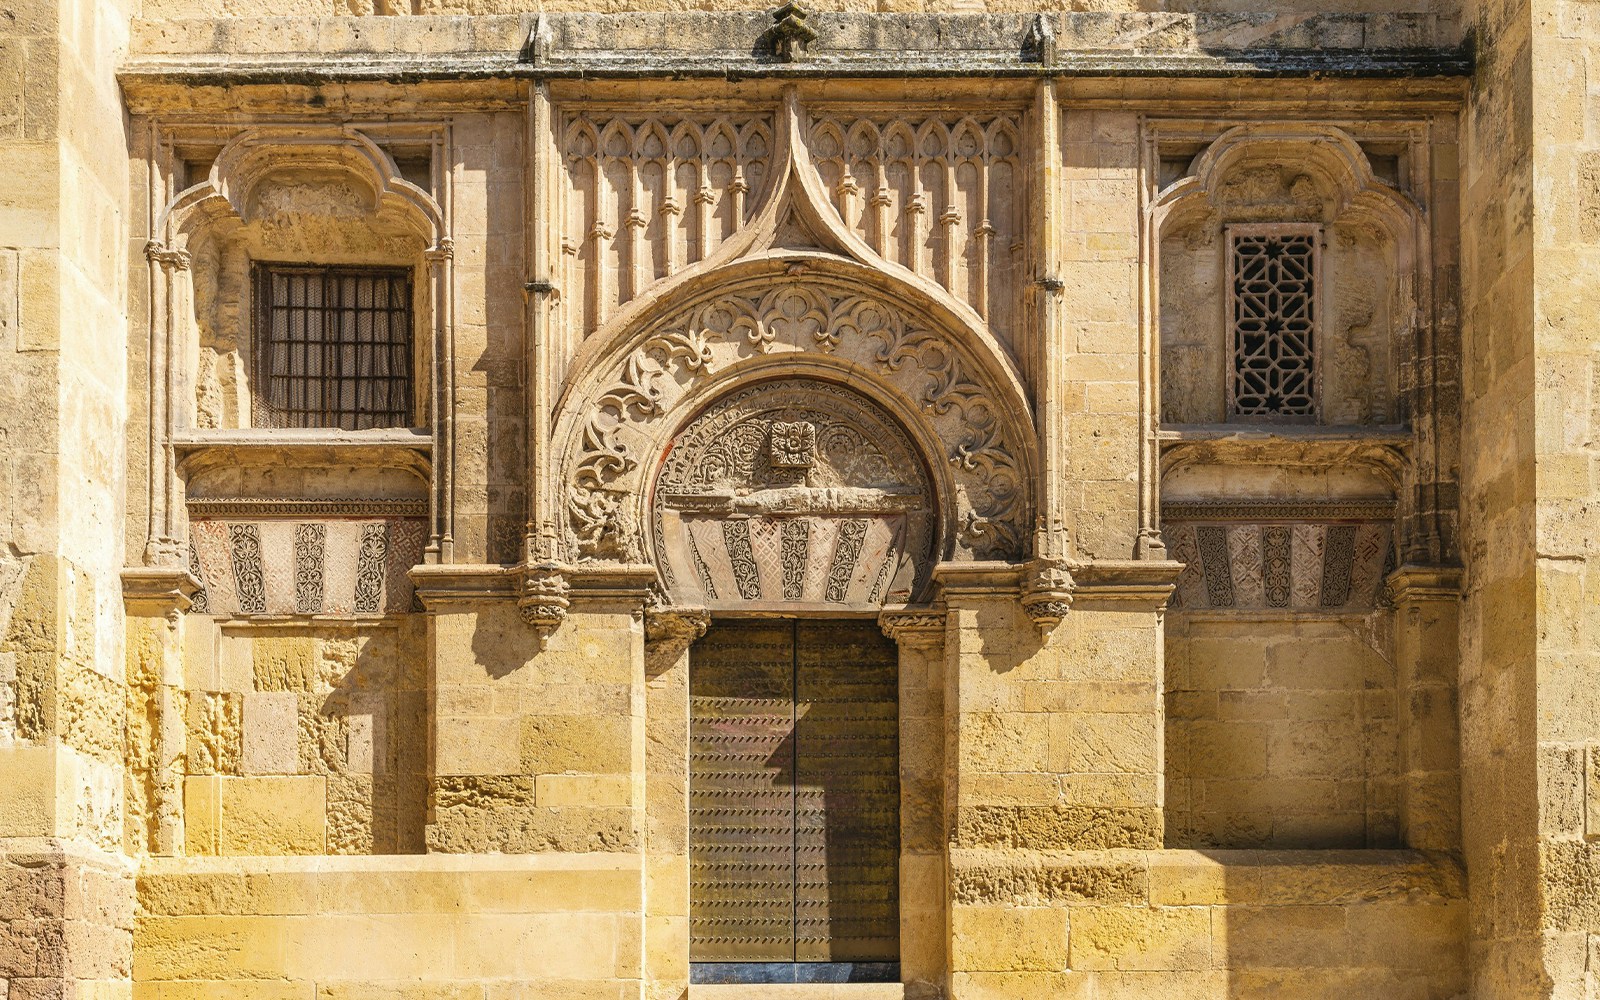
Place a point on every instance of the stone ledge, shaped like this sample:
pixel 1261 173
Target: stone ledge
pixel 1175 877
pixel 682 44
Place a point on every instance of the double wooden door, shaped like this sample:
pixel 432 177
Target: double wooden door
pixel 794 793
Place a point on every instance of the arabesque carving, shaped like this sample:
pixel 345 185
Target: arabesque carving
pixel 624 419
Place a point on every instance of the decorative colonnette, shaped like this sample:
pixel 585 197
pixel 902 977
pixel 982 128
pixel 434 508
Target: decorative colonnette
pixel 1268 557
pixel 285 566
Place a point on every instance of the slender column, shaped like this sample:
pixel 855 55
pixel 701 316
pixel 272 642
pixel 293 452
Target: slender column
pixel 1047 591
pixel 441 275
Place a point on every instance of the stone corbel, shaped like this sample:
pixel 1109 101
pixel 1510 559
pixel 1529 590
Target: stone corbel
pixel 1047 593
pixel 543 598
pixel 675 627
pixel 158 591
pixel 913 627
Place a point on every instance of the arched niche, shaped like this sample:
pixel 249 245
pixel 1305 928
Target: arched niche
pixel 307 195
pixel 821 320
pixel 1313 181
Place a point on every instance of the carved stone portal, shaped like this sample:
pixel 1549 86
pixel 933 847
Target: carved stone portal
pixel 793 492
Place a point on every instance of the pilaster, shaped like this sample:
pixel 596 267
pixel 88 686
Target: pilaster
pixel 1427 601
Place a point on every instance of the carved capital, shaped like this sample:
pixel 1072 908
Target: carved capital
pixel 920 628
pixel 158 591
pixel 1414 583
pixel 172 260
pixel 445 249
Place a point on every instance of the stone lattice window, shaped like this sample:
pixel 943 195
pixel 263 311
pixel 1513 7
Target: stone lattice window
pixel 333 347
pixel 1272 319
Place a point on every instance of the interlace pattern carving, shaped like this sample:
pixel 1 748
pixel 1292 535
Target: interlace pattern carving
pixel 1273 321
pixel 650 195
pixel 247 575
pixel 1288 567
pixel 791 318
pixel 369 569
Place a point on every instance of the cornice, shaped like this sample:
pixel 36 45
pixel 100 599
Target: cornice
pixel 751 45
pixel 272 507
pixel 1377 509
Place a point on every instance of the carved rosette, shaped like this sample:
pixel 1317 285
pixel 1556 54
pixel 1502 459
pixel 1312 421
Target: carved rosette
pixel 628 418
pixel 543 599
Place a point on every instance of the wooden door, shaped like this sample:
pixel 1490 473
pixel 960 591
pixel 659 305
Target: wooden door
pixel 794 794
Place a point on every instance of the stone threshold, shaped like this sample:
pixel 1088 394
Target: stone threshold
pixel 797 991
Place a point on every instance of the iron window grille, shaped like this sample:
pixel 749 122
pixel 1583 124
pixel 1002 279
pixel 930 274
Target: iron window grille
pixel 333 347
pixel 1274 279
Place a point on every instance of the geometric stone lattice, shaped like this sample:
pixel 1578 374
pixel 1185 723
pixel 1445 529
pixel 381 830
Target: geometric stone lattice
pixel 1273 319
pixel 1290 566
pixel 286 567
pixel 793 492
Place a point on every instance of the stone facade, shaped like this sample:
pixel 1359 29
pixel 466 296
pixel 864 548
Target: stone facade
pixel 1197 399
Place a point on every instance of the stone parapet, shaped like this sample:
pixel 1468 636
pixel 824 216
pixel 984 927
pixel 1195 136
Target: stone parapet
pixel 857 44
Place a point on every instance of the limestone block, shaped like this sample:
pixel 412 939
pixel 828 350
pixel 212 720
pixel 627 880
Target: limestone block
pixel 479 746
pixel 1282 937
pixel 1134 939
pixel 998 939
pixel 28 775
pixel 256 815
pixel 583 789
pixel 271 736
pixel 588 743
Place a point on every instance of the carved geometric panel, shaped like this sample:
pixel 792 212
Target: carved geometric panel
pixel 1279 565
pixel 1273 290
pixel 793 492
pixel 286 567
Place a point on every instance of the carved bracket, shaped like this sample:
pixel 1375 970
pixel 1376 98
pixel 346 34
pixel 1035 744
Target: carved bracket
pixel 1047 593
pixel 914 627
pixel 542 599
pixel 675 626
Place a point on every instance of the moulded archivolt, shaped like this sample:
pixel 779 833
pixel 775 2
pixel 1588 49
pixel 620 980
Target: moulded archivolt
pixel 625 421
pixel 650 195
